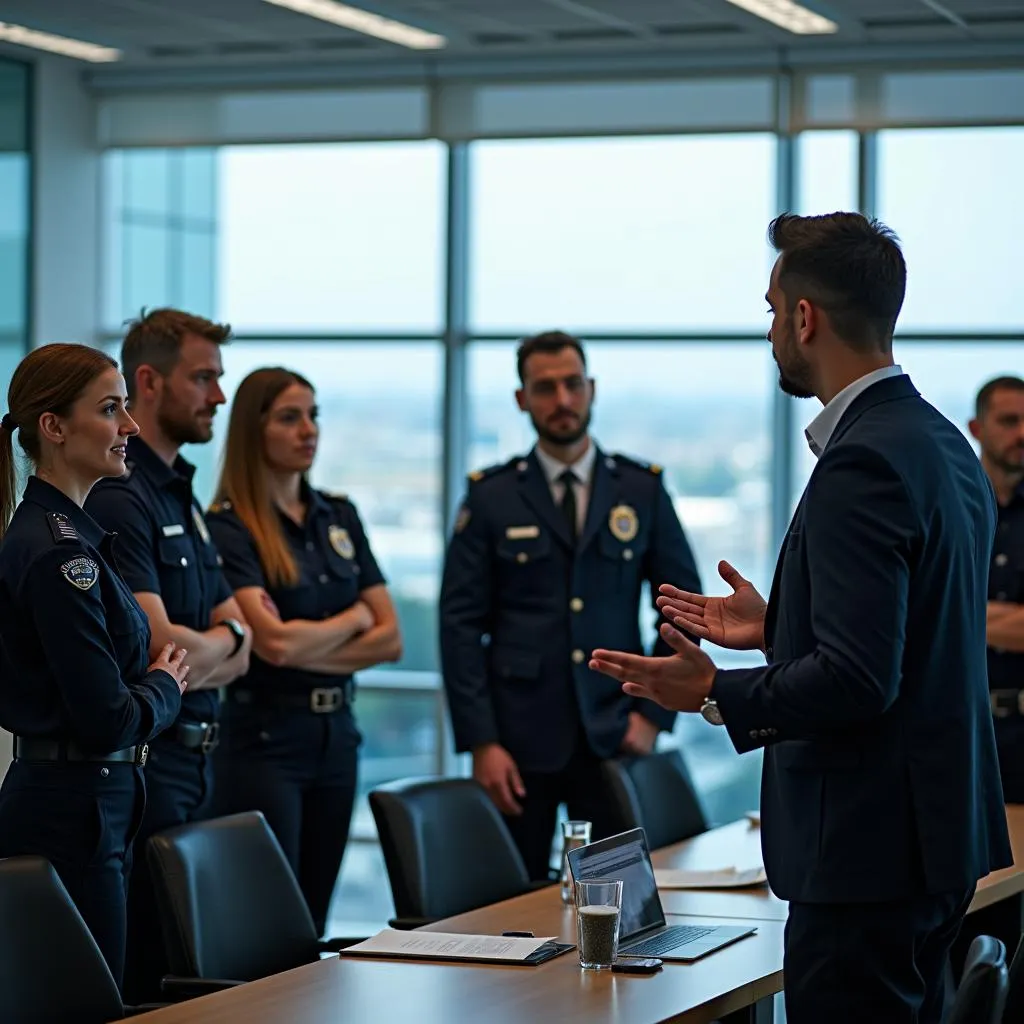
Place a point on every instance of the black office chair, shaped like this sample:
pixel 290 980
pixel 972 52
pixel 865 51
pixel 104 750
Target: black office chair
pixel 446 848
pixel 654 793
pixel 1013 1011
pixel 231 909
pixel 982 991
pixel 50 966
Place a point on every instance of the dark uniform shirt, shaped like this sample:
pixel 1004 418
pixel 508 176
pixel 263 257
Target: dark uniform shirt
pixel 1006 583
pixel 75 642
pixel 335 565
pixel 164 547
pixel 522 607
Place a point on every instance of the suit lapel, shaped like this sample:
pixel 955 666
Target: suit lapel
pixel 533 486
pixel 773 596
pixel 604 489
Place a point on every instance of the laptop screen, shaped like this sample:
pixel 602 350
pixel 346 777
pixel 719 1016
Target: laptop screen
pixel 623 857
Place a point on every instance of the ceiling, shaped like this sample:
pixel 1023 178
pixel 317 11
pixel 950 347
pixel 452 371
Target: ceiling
pixel 211 34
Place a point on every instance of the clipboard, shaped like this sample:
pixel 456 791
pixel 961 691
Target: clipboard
pixel 547 950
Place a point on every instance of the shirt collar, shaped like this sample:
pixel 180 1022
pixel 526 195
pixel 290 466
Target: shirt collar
pixel 820 430
pixel 143 457
pixel 52 499
pixel 581 468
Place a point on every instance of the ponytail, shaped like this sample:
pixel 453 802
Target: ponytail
pixel 8 474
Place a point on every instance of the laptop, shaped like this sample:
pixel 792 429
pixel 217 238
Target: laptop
pixel 642 928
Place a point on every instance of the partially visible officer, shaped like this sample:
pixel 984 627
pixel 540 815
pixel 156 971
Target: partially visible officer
pixel 547 558
pixel 172 364
pixel 304 573
pixel 77 689
pixel 998 427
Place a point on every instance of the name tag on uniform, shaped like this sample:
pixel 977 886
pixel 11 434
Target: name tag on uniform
pixel 174 530
pixel 522 532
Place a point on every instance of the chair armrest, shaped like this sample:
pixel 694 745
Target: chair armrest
pixel 178 989
pixel 408 923
pixel 339 942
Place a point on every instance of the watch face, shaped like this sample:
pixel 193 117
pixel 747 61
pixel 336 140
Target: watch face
pixel 711 713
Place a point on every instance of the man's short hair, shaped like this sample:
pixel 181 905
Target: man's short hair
pixel 984 399
pixel 549 342
pixel 848 265
pixel 154 339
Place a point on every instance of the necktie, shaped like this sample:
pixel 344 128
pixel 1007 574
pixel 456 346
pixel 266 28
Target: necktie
pixel 568 478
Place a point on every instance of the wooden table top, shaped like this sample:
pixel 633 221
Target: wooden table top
pixel 739 844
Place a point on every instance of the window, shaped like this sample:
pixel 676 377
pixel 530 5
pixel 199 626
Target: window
pixel 339 237
pixel 639 234
pixel 952 195
pixel 14 215
pixel 380 443
pixel 705 418
pixel 826 172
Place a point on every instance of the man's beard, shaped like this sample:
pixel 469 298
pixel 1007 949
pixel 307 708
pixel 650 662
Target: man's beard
pixel 565 437
pixel 182 430
pixel 795 377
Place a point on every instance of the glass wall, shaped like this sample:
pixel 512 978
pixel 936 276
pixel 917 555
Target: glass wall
pixel 15 215
pixel 333 259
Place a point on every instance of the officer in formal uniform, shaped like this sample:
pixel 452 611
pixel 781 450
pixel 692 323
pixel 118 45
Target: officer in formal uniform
pixel 77 689
pixel 303 572
pixel 998 427
pixel 546 562
pixel 172 365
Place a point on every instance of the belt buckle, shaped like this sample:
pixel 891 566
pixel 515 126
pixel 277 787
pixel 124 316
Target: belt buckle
pixel 324 699
pixel 141 755
pixel 210 738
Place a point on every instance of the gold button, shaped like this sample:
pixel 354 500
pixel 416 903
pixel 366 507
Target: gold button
pixel 522 557
pixel 576 604
pixel 628 554
pixel 578 656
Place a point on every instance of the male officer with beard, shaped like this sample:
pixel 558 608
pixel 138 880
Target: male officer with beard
pixel 171 364
pixel 546 562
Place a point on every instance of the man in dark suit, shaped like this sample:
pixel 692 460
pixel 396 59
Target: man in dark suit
pixel 547 559
pixel 881 802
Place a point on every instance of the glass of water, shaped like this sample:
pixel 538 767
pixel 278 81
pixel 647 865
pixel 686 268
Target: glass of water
pixel 574 834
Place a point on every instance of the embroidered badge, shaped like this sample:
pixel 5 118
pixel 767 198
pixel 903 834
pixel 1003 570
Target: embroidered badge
pixel 462 519
pixel 623 523
pixel 82 572
pixel 341 541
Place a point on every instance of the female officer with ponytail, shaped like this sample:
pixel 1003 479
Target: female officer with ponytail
pixel 76 687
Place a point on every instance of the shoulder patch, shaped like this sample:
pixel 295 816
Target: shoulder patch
pixel 80 572
pixel 61 527
pixel 489 471
pixel 627 460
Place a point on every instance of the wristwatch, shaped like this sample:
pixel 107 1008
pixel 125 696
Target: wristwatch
pixel 236 631
pixel 709 710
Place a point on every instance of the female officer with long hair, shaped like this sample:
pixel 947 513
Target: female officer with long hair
pixel 308 584
pixel 76 686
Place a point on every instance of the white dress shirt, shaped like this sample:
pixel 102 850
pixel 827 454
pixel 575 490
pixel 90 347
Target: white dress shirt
pixel 820 430
pixel 582 469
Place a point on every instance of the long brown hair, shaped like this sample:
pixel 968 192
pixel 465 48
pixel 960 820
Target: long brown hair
pixel 48 379
pixel 243 478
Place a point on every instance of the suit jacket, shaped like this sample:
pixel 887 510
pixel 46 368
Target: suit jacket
pixel 880 779
pixel 521 609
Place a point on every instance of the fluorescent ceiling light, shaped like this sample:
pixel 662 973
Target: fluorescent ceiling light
pixel 57 44
pixel 365 22
pixel 789 15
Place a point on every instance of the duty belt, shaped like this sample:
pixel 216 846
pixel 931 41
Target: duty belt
pixel 28 749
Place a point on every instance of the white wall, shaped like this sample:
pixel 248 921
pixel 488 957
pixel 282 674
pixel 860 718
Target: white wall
pixel 65 302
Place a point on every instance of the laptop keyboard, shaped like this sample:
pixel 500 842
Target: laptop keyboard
pixel 672 938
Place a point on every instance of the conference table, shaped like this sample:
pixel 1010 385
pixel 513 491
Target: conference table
pixel 735 985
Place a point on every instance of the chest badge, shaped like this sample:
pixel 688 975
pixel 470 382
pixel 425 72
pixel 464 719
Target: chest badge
pixel 201 528
pixel 80 572
pixel 341 541
pixel 623 522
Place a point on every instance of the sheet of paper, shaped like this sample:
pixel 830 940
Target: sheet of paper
pixel 391 942
pixel 723 878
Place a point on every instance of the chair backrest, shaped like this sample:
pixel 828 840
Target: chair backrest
pixel 1014 1008
pixel 654 793
pixel 981 994
pixel 446 847
pixel 50 966
pixel 230 906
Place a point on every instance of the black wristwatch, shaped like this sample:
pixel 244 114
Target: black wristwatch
pixel 236 631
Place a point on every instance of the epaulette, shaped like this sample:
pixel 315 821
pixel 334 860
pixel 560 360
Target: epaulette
pixel 221 505
pixel 628 460
pixel 330 496
pixel 482 474
pixel 61 527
